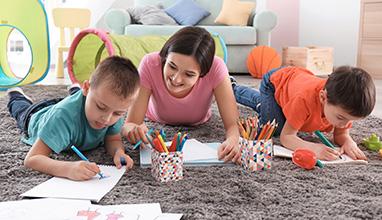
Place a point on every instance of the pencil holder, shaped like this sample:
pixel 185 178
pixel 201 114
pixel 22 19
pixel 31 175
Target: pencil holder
pixel 167 166
pixel 256 155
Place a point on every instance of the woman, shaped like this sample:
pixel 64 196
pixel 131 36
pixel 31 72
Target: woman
pixel 178 85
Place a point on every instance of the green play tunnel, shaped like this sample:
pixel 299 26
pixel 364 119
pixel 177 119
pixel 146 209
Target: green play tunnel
pixel 29 19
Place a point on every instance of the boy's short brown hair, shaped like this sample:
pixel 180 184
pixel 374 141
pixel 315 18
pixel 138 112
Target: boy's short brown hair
pixel 119 73
pixel 352 89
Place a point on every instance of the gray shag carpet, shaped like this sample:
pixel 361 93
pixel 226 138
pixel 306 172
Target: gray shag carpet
pixel 285 192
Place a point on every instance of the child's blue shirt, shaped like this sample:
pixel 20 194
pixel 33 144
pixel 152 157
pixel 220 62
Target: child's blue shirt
pixel 64 124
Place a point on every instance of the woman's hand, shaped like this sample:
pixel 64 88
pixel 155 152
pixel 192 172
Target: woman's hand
pixel 135 133
pixel 229 150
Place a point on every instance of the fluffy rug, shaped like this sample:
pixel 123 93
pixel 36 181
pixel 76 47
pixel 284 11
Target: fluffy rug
pixel 285 192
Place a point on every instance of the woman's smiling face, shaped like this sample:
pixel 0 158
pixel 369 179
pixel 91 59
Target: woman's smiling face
pixel 180 73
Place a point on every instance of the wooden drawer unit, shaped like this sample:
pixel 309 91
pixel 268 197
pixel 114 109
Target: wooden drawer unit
pixel 370 38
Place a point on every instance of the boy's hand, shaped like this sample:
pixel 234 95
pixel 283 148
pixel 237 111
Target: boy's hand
pixel 82 170
pixel 351 149
pixel 229 150
pixel 137 133
pixel 117 159
pixel 324 152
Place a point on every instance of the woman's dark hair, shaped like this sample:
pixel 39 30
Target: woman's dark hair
pixel 192 41
pixel 352 89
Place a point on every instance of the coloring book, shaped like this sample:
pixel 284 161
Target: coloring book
pixel 280 151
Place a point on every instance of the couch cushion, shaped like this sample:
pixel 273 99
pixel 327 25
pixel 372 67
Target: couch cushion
pixel 235 12
pixel 232 35
pixel 186 12
pixel 150 14
pixel 213 6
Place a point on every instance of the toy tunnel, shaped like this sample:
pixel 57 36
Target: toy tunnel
pixel 91 46
pixel 30 21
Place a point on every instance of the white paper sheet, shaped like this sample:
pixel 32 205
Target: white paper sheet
pixel 169 216
pixel 147 211
pixel 41 209
pixel 68 209
pixel 93 189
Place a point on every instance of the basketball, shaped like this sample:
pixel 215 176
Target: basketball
pixel 262 59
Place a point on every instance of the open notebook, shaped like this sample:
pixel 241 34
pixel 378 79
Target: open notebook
pixel 280 151
pixel 93 189
pixel 195 154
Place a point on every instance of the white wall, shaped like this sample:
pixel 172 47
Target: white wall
pixel 333 23
pixel 286 32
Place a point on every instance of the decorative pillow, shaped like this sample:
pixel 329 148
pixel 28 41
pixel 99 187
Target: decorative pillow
pixel 151 14
pixel 186 12
pixel 235 12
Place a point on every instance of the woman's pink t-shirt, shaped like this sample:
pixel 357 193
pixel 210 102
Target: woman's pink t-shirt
pixel 192 109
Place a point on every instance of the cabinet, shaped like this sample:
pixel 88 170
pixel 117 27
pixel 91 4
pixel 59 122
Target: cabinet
pixel 370 38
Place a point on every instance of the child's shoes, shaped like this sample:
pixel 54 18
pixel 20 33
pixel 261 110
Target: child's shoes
pixel 233 81
pixel 74 88
pixel 17 91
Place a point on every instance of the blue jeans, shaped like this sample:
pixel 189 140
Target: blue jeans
pixel 263 101
pixel 22 109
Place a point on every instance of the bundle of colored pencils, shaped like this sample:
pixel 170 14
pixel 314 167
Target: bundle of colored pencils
pixel 157 141
pixel 249 128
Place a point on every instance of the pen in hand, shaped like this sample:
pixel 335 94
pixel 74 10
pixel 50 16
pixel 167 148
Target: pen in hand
pixel 140 141
pixel 84 158
pixel 325 140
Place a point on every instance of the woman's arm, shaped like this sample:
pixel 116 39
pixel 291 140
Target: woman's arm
pixel 229 150
pixel 134 128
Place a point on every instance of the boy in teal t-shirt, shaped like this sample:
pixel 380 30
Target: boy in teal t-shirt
pixel 86 119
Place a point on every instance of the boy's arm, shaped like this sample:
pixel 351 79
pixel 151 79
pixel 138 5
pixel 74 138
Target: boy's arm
pixel 229 150
pixel 134 129
pixel 114 148
pixel 342 137
pixel 290 140
pixel 38 159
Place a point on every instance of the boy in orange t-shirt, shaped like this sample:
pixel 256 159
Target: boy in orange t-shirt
pixel 300 101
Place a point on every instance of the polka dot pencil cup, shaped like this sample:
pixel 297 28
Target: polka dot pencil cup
pixel 256 155
pixel 167 166
pixel 167 161
pixel 256 144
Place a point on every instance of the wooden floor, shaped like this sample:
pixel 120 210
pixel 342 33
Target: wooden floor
pixel 51 79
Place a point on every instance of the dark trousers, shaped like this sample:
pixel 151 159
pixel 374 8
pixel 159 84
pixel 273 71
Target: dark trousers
pixel 22 109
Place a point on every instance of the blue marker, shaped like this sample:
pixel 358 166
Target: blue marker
pixel 83 158
pixel 163 134
pixel 123 161
pixel 183 142
pixel 140 141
